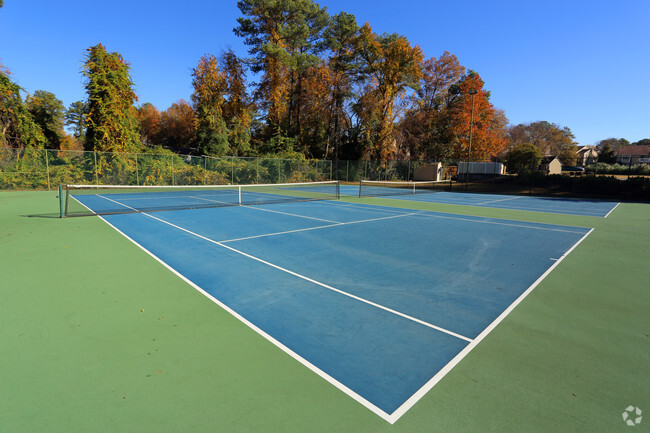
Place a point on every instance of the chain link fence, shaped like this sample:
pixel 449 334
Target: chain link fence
pixel 354 171
pixel 47 168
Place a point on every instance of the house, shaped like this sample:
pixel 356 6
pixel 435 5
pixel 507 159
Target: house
pixel 633 155
pixel 551 165
pixel 587 155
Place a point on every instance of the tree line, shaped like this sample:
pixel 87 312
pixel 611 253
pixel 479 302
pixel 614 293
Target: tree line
pixel 326 87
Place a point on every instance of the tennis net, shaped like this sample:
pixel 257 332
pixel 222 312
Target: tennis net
pixel 82 200
pixel 373 188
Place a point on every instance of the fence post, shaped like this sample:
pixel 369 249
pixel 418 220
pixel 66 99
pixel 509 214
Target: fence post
pixel 96 173
pixel 257 171
pixel 47 169
pixel 137 172
pixel 173 177
pixel 232 170
pixel 205 170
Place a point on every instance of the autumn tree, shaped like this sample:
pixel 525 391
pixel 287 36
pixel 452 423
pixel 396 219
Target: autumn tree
pixel 568 154
pixel 17 126
pixel 342 41
pixel 48 113
pixel 284 39
pixel 238 109
pixel 473 114
pixel 425 129
pixel 149 122
pixel 392 66
pixel 318 111
pixel 178 125
pixel 549 138
pixel 112 124
pixel 210 85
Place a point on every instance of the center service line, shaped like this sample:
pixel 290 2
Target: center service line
pixel 295 274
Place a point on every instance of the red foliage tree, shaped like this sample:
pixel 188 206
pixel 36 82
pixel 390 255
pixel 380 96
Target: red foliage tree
pixel 489 123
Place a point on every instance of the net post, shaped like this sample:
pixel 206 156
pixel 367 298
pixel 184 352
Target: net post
pixel 360 186
pixel 338 189
pixel 67 199
pixel 239 191
pixel 61 213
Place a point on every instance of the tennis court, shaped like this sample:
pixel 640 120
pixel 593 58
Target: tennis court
pixel 568 206
pixel 379 302
pixel 334 315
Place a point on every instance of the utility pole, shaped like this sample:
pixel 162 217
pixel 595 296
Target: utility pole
pixel 469 149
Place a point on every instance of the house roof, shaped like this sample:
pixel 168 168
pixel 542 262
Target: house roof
pixel 634 150
pixel 548 159
pixel 583 149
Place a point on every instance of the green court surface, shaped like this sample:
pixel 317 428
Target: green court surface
pixel 97 336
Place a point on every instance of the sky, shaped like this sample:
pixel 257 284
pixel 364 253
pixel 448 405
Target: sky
pixel 579 64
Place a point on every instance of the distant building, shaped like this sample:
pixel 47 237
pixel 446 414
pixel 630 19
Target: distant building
pixel 633 155
pixel 429 172
pixel 551 165
pixel 587 155
pixel 482 168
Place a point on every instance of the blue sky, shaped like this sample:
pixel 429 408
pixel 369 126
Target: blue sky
pixel 580 64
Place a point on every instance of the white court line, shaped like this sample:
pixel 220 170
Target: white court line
pixel 612 210
pixel 295 274
pixel 553 211
pixel 274 211
pixel 393 417
pixel 293 214
pixel 279 233
pixel 365 403
pixel 495 201
pixel 462 202
pixel 390 418
pixel 431 214
pixel 507 224
pixel 213 201
pixel 315 228
pixel 451 364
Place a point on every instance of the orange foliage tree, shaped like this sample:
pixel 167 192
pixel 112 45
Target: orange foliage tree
pixel 149 119
pixel 237 108
pixel 393 66
pixel 318 110
pixel 489 123
pixel 210 86
pixel 424 129
pixel 178 125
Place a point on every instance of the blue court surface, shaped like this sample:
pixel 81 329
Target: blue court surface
pixel 569 206
pixel 380 302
